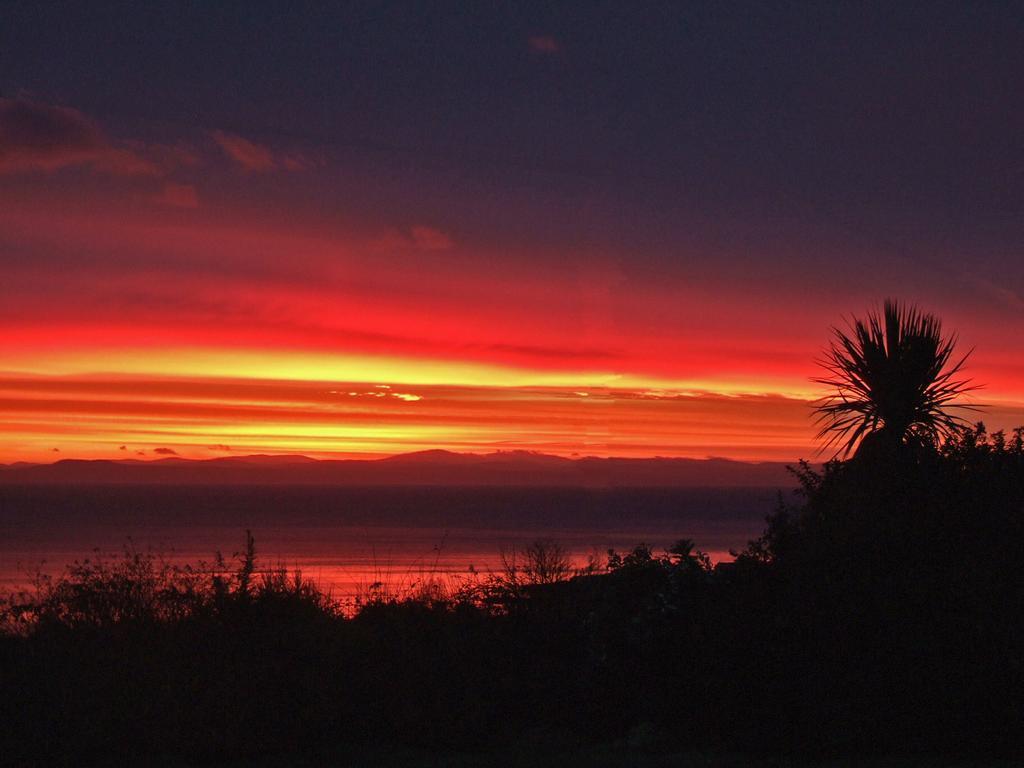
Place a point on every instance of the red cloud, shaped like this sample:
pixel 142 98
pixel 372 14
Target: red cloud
pixel 165 451
pixel 248 154
pixel 430 239
pixel 256 157
pixel 544 44
pixel 41 137
pixel 178 196
pixel 168 157
pixel 296 163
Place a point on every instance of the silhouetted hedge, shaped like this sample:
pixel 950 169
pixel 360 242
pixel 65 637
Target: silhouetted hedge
pixel 880 614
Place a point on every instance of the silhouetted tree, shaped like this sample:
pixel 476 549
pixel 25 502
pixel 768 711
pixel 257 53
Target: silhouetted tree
pixel 893 382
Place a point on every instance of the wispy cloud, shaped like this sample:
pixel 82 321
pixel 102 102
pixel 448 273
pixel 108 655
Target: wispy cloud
pixel 248 154
pixel 430 239
pixel 1001 294
pixel 296 162
pixel 419 237
pixel 167 157
pixel 253 157
pixel 178 196
pixel 544 44
pixel 204 416
pixel 42 137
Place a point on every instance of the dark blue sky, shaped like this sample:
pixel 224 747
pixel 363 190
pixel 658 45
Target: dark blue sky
pixel 885 117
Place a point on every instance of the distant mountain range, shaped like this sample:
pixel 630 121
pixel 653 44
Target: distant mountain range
pixel 437 467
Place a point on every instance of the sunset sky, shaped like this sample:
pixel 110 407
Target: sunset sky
pixel 598 229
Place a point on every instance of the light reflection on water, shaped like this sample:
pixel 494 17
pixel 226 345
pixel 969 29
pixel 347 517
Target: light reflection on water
pixel 348 539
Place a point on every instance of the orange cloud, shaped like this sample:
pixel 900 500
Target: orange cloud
pixel 95 416
pixel 483 345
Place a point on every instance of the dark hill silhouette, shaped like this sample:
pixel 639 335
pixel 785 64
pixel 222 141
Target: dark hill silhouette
pixel 516 468
pixel 432 456
pixel 262 459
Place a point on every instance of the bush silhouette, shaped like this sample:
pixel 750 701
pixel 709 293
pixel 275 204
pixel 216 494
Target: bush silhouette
pixel 880 612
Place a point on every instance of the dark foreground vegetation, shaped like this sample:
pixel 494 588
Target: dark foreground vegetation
pixel 882 614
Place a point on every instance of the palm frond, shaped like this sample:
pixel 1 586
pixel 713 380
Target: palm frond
pixel 891 371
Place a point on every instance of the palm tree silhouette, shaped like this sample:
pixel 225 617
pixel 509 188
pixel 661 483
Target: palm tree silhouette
pixel 892 383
